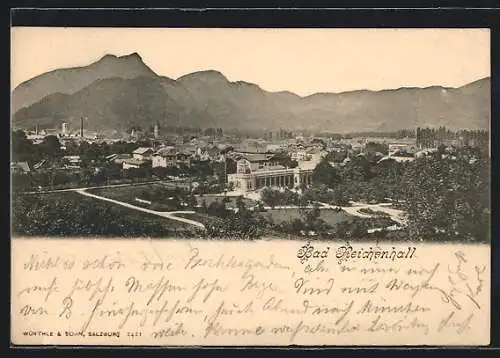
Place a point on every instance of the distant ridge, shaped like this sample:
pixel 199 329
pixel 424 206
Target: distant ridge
pixel 116 92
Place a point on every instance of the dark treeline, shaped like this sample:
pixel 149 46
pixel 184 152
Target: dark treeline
pixel 432 137
pixel 400 134
pixel 426 137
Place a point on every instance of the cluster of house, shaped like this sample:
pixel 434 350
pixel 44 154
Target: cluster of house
pixel 258 162
pixel 167 156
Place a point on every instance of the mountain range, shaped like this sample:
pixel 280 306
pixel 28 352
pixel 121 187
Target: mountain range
pixel 116 93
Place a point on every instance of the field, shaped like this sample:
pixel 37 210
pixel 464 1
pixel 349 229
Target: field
pixel 163 197
pixel 71 214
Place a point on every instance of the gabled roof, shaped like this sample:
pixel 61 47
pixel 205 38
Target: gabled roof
pixel 171 151
pixel 254 157
pixel 142 150
pixel 118 156
pixel 165 151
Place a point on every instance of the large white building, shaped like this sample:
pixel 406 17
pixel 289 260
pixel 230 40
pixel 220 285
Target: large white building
pixel 259 170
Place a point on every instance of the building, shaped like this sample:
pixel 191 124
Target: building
pixel 170 157
pixel 164 157
pixel 258 170
pixel 143 153
pixel 19 168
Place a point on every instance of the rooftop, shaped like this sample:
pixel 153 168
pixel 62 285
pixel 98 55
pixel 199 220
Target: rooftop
pixel 135 161
pixel 142 150
pixel 165 151
pixel 254 157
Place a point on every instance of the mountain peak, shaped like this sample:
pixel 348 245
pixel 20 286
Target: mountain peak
pixel 133 55
pixel 130 65
pixel 108 57
pixel 205 75
pixel 71 80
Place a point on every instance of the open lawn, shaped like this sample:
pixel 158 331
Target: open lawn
pixel 163 198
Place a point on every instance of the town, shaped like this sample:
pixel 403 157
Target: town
pixel 181 181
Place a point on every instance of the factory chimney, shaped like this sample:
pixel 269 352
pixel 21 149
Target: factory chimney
pixel 81 127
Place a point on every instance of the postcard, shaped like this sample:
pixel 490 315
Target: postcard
pixel 250 187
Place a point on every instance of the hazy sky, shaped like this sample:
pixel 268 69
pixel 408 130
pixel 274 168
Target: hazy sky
pixel 303 61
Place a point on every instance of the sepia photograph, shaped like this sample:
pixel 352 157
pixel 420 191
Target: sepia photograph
pixel 297 134
pixel 360 156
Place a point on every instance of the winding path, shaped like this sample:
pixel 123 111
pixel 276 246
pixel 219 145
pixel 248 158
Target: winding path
pixel 165 214
pixel 94 187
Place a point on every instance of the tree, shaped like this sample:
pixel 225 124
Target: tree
pixel 217 208
pixel 191 201
pixel 336 156
pixel 319 142
pixel 204 208
pixel 297 225
pixel 374 147
pixel 325 174
pixel 285 160
pixel 50 147
pixel 355 228
pixel 268 196
pixel 311 216
pixel 448 199
pixel 72 148
pixel 22 148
